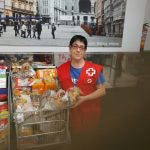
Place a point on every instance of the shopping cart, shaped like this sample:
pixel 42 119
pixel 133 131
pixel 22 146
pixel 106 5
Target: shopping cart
pixel 40 128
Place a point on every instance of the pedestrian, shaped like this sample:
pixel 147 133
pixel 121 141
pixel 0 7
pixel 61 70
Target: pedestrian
pixel 34 31
pixel 58 24
pixel 29 30
pixel 1 30
pixel 23 30
pixel 16 28
pixel 48 25
pixel 4 26
pixel 85 114
pixel 53 30
pixel 39 29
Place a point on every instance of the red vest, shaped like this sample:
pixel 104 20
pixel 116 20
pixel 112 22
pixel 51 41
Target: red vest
pixel 85 116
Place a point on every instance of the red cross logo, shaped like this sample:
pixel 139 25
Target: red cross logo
pixel 89 81
pixel 90 71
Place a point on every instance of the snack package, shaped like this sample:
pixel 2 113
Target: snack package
pixel 38 86
pixel 46 73
pixel 49 78
pixel 23 105
pixel 50 83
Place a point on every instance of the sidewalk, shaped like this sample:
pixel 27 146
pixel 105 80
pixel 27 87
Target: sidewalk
pixel 63 34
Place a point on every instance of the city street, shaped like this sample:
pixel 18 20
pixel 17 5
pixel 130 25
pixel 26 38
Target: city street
pixel 63 34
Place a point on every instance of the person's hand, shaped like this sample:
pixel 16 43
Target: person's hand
pixel 60 92
pixel 81 99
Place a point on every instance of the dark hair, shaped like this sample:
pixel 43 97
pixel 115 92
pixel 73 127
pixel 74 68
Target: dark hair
pixel 78 38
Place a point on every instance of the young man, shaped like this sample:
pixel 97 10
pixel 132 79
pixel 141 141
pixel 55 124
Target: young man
pixel 85 114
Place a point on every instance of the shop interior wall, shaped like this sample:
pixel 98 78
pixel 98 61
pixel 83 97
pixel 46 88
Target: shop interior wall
pixel 147 20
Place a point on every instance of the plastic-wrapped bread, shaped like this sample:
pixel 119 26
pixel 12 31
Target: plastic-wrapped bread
pixel 73 94
pixel 59 102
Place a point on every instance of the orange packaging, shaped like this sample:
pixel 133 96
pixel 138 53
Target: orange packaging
pixel 39 74
pixel 17 92
pixel 49 80
pixel 50 72
pixel 45 73
pixel 38 86
pixel 50 84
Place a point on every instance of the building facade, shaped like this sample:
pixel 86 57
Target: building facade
pixel 50 10
pixel 119 8
pixel 6 11
pixel 99 15
pixel 110 15
pixel 2 6
pixel 80 11
pixel 22 9
pixel 59 10
pixel 17 10
pixel 83 12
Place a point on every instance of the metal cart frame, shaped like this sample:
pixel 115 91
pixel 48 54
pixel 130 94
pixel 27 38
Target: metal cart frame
pixel 43 128
pixel 40 128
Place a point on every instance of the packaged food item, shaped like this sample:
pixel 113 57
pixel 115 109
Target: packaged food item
pixel 39 73
pixel 3 97
pixel 3 106
pixel 3 90
pixel 58 103
pixel 3 133
pixel 25 131
pixel 46 73
pixel 73 94
pixel 22 90
pixel 49 78
pixel 25 102
pixel 50 83
pixel 3 114
pixel 16 92
pixel 38 86
pixel 2 77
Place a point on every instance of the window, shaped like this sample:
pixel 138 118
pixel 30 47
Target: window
pixel 45 3
pixel 20 5
pixel 30 8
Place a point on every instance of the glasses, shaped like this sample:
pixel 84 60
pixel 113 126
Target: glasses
pixel 82 48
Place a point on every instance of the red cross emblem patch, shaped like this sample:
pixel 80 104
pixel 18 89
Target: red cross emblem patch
pixel 90 71
pixel 89 80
